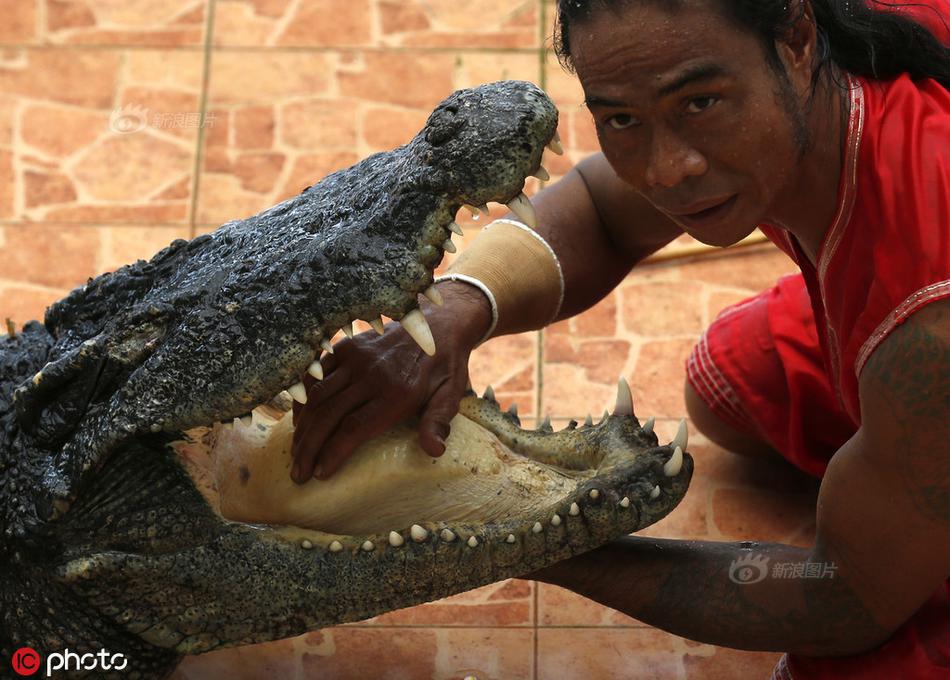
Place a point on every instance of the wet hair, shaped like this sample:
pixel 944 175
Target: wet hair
pixel 864 37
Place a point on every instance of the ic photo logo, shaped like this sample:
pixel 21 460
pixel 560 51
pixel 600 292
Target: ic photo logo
pixel 27 661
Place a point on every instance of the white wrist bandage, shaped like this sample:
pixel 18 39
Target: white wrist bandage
pixel 518 272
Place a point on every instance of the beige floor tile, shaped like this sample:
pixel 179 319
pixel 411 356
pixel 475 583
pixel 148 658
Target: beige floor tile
pixel 741 514
pixel 356 653
pixel 42 262
pixel 608 654
pixel 749 269
pixel 99 135
pixel 560 607
pixel 376 23
pixel 135 22
pixel 104 22
pixel 284 119
pixel 705 662
pixel 641 654
pixel 508 603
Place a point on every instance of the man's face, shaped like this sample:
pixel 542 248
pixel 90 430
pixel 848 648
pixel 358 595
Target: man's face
pixel 689 112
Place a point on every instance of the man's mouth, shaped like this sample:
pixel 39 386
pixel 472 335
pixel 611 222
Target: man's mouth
pixel 706 213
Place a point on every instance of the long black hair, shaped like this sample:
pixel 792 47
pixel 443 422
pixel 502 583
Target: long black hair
pixel 864 37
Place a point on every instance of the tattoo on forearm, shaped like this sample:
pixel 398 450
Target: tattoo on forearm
pixel 818 616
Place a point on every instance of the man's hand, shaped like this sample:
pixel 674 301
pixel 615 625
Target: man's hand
pixel 372 383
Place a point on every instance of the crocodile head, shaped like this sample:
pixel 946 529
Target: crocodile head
pixel 144 439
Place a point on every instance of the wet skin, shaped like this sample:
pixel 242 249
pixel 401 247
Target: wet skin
pixel 690 114
pixel 692 118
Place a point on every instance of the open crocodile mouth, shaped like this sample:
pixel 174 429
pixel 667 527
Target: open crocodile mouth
pixel 496 482
pixel 115 524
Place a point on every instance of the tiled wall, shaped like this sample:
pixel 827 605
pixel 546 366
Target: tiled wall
pixel 127 123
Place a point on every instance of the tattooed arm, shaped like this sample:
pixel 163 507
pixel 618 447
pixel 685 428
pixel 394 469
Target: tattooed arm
pixel 883 537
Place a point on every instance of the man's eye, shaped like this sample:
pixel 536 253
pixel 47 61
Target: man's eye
pixel 621 121
pixel 700 104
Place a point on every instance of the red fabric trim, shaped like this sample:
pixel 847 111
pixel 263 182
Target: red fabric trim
pixel 914 302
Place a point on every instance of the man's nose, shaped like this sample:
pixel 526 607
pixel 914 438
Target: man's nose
pixel 672 160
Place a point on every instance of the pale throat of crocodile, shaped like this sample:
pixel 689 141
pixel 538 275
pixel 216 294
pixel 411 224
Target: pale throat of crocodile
pixel 244 472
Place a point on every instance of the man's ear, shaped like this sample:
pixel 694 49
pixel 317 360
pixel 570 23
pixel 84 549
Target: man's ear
pixel 798 47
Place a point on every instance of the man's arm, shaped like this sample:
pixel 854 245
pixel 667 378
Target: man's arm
pixel 598 227
pixel 883 536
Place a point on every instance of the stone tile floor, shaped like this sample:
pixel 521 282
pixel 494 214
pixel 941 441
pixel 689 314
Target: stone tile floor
pixel 124 125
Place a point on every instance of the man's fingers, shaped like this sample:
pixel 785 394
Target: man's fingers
pixel 330 386
pixel 308 445
pixel 434 424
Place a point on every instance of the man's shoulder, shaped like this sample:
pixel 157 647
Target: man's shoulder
pixel 903 120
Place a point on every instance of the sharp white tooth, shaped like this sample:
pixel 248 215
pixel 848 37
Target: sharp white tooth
pixel 448 246
pixel 415 324
pixel 306 545
pixel 594 494
pixel 368 546
pixel 521 206
pixel 624 502
pixel 447 535
pixel 434 295
pixel 556 520
pixel 588 421
pixel 605 416
pixel 395 539
pixel 418 533
pixel 575 510
pixel 537 528
pixel 472 542
pixel 513 410
pixel 326 346
pixel 542 174
pixel 246 421
pixel 377 325
pixel 648 426
pixel 298 392
pixel 348 330
pixel 336 547
pixel 511 538
pixel 655 493
pixel 456 229
pixel 546 425
pixel 681 436
pixel 672 467
pixel 489 394
pixel 316 370
pixel 555 144
pixel 624 405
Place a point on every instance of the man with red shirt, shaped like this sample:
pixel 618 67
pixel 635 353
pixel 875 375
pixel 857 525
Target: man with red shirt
pixel 827 124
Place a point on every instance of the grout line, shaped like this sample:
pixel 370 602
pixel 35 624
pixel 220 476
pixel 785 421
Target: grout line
pixel 92 225
pixel 202 113
pixel 539 351
pixel 266 48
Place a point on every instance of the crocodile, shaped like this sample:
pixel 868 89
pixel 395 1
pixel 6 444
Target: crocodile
pixel 146 505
